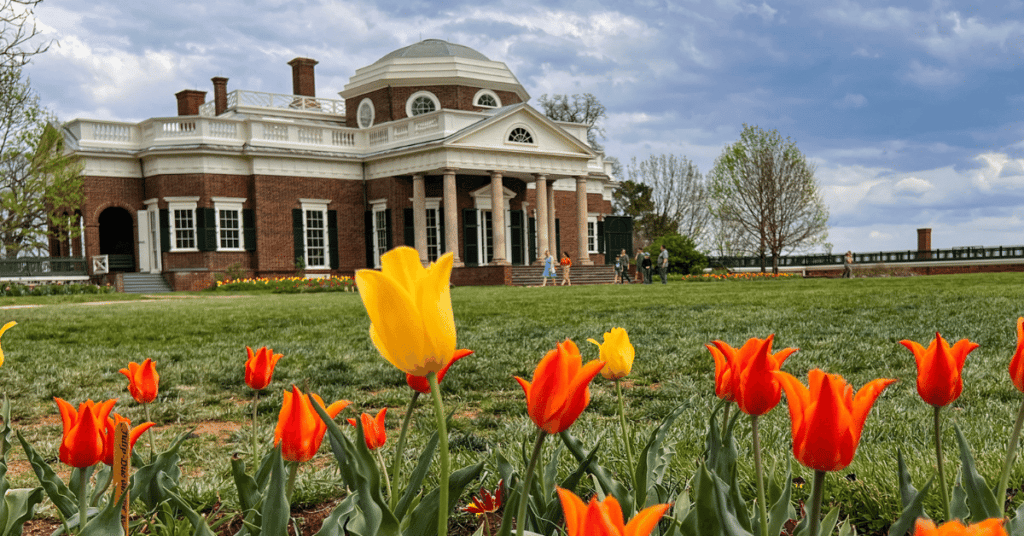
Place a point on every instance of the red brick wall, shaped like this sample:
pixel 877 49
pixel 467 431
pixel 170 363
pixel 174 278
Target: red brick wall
pixel 102 193
pixel 483 275
pixel 389 102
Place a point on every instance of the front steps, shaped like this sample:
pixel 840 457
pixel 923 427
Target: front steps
pixel 531 276
pixel 141 283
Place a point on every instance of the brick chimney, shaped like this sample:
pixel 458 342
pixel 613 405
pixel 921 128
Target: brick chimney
pixel 220 94
pixel 189 101
pixel 302 77
pixel 924 243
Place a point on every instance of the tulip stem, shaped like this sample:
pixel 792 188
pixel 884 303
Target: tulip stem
pixel 396 465
pixel 1011 454
pixel 152 451
pixel 293 471
pixel 445 471
pixel 387 481
pixel 627 438
pixel 255 431
pixel 938 457
pixel 725 421
pixel 817 494
pixel 759 469
pixel 528 481
pixel 83 498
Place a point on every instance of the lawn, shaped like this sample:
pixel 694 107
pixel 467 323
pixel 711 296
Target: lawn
pixel 850 327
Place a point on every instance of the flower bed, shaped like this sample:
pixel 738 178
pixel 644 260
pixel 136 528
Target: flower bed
pixel 52 289
pixel 737 276
pixel 288 285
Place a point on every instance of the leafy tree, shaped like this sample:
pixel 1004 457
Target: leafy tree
pixel 585 109
pixel 17 28
pixel 766 197
pixel 678 197
pixel 683 256
pixel 40 185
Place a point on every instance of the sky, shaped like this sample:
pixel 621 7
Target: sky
pixel 911 112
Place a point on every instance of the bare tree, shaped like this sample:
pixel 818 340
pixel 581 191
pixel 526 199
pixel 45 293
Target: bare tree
pixel 584 109
pixel 766 197
pixel 678 197
pixel 17 29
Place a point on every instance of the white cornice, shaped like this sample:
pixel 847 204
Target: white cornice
pixel 406 72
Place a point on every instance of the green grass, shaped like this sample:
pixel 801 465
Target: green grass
pixel 850 327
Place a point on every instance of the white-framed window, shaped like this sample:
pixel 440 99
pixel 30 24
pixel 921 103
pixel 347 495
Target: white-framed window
pixel 433 228
pixel 486 237
pixel 592 234
pixel 421 102
pixel 366 113
pixel 521 135
pixel 314 232
pixel 228 212
pixel 182 212
pixel 486 98
pixel 380 229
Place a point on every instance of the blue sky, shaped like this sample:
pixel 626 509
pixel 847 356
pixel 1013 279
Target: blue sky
pixel 912 112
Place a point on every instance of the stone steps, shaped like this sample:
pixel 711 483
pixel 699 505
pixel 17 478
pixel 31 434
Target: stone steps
pixel 531 276
pixel 140 283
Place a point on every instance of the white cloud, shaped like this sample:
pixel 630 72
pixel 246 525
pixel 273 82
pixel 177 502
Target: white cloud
pixel 878 235
pixel 852 100
pixel 999 172
pixel 931 77
pixel 913 185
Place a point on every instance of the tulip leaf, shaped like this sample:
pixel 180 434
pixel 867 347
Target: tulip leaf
pixel 5 427
pixel 1015 526
pixel 829 522
pixel 653 461
pixel 847 529
pixel 958 502
pixel 198 522
pixel 711 512
pixel 606 481
pixel 144 484
pixel 423 519
pixel 107 522
pixel 550 522
pixel 248 493
pixel 334 524
pixel 512 486
pixel 416 478
pixel 276 512
pixel 911 500
pixel 779 512
pixel 980 499
pixel 55 489
pixel 907 491
pixel 18 505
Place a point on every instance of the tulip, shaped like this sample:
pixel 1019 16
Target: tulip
pixel 939 367
pixel 410 309
pixel 83 438
pixel 6 327
pixel 827 421
pixel 143 381
pixel 259 367
pixel 617 354
pixel 373 429
pixel 111 439
pixel 745 374
pixel 988 527
pixel 487 503
pixel 604 518
pixel 1017 376
pixel 420 383
pixel 560 388
pixel 299 429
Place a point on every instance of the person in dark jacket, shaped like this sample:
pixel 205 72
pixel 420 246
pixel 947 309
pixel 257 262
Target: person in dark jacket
pixel 646 263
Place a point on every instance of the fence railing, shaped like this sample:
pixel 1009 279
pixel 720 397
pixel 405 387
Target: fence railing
pixel 977 253
pixel 43 267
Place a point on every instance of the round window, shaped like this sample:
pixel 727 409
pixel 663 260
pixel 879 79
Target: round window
pixel 365 114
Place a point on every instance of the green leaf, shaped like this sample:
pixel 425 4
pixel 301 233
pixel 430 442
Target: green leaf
pixel 907 491
pixel 958 502
pixel 711 513
pixel 412 489
pixel 847 529
pixel 423 519
pixel 276 511
pixel 779 512
pixel 1015 526
pixel 910 498
pixel 199 525
pixel 56 490
pixel 604 479
pixel 105 523
pixel 334 524
pixel 19 507
pixel 653 462
pixel 145 485
pixel 980 499
pixel 829 523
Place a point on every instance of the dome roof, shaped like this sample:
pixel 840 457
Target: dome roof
pixel 435 48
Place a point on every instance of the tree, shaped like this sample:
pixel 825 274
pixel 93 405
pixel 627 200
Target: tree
pixel 766 197
pixel 678 197
pixel 40 185
pixel 17 28
pixel 683 256
pixel 585 109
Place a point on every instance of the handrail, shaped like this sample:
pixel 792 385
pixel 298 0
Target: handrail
pixel 42 267
pixel 880 257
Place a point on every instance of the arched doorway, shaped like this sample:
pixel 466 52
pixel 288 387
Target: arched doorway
pixel 117 239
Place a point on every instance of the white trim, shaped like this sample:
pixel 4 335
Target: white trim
pixel 182 204
pixel 412 98
pixel 228 199
pixel 483 92
pixel 524 126
pixel 319 206
pixel 228 204
pixel 378 206
pixel 482 197
pixel 359 113
pixel 186 199
pixel 316 202
pixel 597 239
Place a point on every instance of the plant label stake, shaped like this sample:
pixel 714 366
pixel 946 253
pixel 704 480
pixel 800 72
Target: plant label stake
pixel 122 466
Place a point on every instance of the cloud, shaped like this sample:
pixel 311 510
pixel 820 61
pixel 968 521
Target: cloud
pixel 852 100
pixel 931 77
pixel 913 185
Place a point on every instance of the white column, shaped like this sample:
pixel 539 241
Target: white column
pixel 552 237
pixel 542 217
pixel 451 216
pixel 419 216
pixel 581 222
pixel 498 219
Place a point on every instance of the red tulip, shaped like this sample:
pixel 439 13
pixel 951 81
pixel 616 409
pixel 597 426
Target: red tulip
pixel 373 429
pixel 259 367
pixel 745 374
pixel 299 428
pixel 143 381
pixel 939 368
pixel 1017 363
pixel 110 436
pixel 83 439
pixel 988 527
pixel 487 503
pixel 560 390
pixel 421 384
pixel 605 518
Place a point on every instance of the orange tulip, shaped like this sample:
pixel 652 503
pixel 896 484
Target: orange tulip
pixel 83 439
pixel 1017 363
pixel 560 388
pixel 110 437
pixel 745 374
pixel 827 419
pixel 988 527
pixel 299 428
pixel 604 518
pixel 143 381
pixel 939 367
pixel 373 429
pixel 259 367
pixel 421 384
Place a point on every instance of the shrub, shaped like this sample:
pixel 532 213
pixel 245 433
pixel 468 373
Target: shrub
pixel 683 257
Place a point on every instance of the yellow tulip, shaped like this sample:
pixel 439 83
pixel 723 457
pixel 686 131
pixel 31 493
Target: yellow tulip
pixel 410 309
pixel 617 354
pixel 6 327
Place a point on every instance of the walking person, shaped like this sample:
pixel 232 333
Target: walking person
pixel 848 265
pixel 663 265
pixel 623 260
pixel 646 263
pixel 566 265
pixel 639 264
pixel 549 269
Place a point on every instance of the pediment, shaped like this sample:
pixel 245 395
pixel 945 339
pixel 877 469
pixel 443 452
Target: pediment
pixel 521 129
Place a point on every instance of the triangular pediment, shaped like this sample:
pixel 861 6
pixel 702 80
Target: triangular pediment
pixel 521 129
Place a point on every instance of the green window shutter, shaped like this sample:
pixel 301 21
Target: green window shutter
pixel 368 225
pixel 558 241
pixel 387 225
pixel 249 228
pixel 410 229
pixel 600 242
pixel 440 231
pixel 165 231
pixel 531 238
pixel 332 237
pixel 206 229
pixel 516 228
pixel 469 244
pixel 300 239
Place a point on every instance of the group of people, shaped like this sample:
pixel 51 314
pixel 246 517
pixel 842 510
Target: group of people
pixel 643 267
